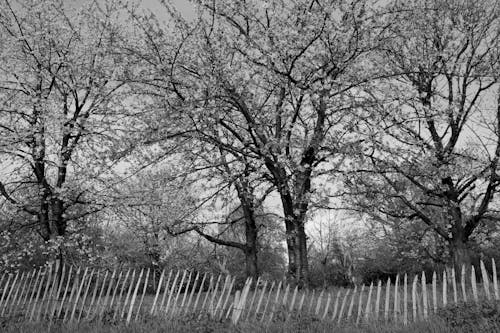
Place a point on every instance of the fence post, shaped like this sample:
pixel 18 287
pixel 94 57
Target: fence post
pixel 486 282
pixel 495 278
pixel 414 297
pixel 445 289
pixel 405 300
pixel 145 286
pixel 360 303
pixel 473 282
pixel 344 301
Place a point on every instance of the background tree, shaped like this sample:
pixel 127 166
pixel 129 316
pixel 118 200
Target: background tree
pixel 61 111
pixel 433 140
pixel 278 80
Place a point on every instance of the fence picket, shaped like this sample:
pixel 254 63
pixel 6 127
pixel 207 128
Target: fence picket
pixel 134 296
pixel 273 310
pixel 387 295
pixel 125 301
pixel 186 292
pixel 5 291
pixel 196 279
pixel 165 292
pixel 495 279
pixel 434 292
pixel 228 294
pixel 344 301
pixel 171 292
pixel 486 282
pixel 253 299
pixel 351 305
pixel 424 294
pixel 210 286
pixel 14 297
pixel 396 299
pixel 473 282
pixel 377 300
pixel 405 300
pixel 414 298
pixel 118 306
pixel 360 303
pixel 259 302
pixel 267 302
pixel 292 302
pixel 77 296
pixel 160 282
pixel 445 289
pixel 462 280
pixel 327 306
pixel 368 303
pixel 145 286
pixel 89 283
pixel 318 303
pixel 200 290
pixel 65 292
pixel 454 284
pixel 336 306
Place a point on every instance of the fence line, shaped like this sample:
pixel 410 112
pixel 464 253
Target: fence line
pixel 71 294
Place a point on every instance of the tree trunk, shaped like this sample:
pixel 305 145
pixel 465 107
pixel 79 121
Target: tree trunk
pixel 251 251
pixel 460 254
pixel 303 267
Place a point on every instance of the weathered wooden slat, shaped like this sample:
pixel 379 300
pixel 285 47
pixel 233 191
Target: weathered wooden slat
pixel 157 294
pixel 445 288
pixel 336 306
pixel 318 303
pixel 344 301
pixel 248 313
pixel 207 294
pixel 424 295
pixel 85 294
pixel 351 305
pixel 115 290
pixel 387 297
pixel 228 294
pixel 134 296
pixel 129 292
pixel 377 301
pixel 145 286
pixel 77 296
pixel 65 293
pixel 5 292
pixel 267 302
pixel 414 298
pixel 495 279
pixel 273 310
pixel 485 280
pixel 360 303
pixel 35 302
pixel 473 283
pixel 368 307
pixel 396 299
pixel 462 280
pixel 328 300
pixel 165 292
pixel 405 300
pixel 260 300
pixel 13 300
pixel 200 290
pixel 171 292
pixel 188 305
pixel 434 292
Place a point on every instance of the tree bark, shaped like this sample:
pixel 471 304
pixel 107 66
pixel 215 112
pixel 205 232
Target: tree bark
pixel 460 254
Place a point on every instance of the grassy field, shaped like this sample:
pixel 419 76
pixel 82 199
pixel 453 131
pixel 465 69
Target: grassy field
pixel 483 317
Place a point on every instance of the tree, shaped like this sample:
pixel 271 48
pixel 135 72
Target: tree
pixel 278 81
pixel 433 134
pixel 62 121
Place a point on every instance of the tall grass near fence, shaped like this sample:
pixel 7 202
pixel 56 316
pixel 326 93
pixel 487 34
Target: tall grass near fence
pixel 70 294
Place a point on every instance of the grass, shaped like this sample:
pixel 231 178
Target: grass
pixel 483 317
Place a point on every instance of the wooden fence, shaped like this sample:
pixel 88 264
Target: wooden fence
pixel 70 294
